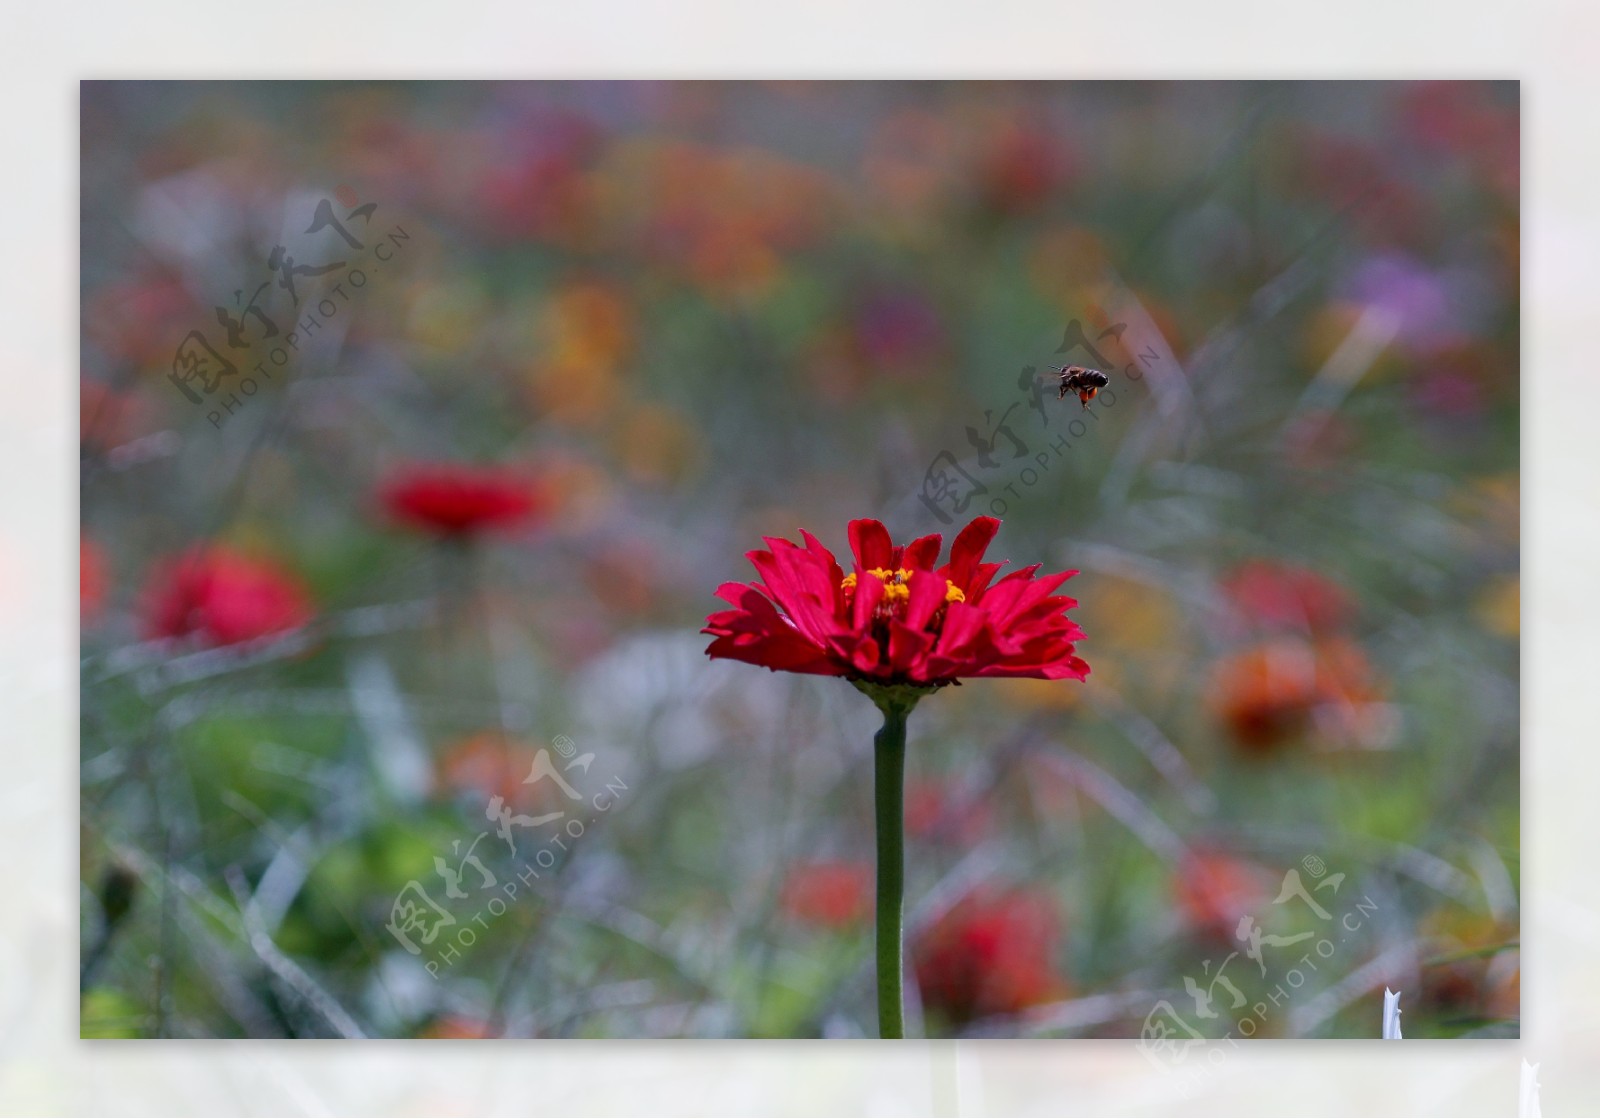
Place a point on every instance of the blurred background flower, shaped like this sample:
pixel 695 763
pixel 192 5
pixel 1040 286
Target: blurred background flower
pixel 457 500
pixel 994 953
pixel 221 597
pixel 830 895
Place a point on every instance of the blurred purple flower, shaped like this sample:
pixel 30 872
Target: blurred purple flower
pixel 1426 305
pixel 899 332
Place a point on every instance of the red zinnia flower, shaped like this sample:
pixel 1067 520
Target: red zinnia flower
pixel 457 500
pixel 831 895
pixel 224 597
pixel 992 954
pixel 897 619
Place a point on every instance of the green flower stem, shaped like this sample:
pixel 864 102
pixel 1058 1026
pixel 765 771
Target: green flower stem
pixel 888 794
pixel 889 776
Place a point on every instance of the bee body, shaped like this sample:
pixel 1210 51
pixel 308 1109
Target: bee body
pixel 1083 381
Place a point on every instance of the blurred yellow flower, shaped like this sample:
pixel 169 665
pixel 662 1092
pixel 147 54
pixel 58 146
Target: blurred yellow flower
pixel 572 394
pixel 907 164
pixel 1493 504
pixel 1067 260
pixel 657 445
pixel 1129 615
pixel 448 316
pixel 1328 330
pixel 587 324
pixel 585 334
pixel 1040 695
pixel 1499 606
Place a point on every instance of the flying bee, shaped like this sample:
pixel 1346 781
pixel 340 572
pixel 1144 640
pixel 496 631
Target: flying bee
pixel 1083 381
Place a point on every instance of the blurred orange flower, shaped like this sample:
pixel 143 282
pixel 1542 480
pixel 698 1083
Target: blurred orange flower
pixel 488 763
pixel 1274 692
pixel 725 217
pixel 585 334
pixel 457 1027
pixel 1214 889
pixel 907 165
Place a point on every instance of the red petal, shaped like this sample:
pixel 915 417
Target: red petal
pixel 921 553
pixel 967 551
pixel 866 656
pixel 908 651
pixel 779 656
pixel 792 578
pixel 870 542
pixel 869 592
pixel 927 595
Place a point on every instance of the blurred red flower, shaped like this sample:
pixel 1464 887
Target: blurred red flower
pixel 1358 177
pixel 1020 168
pixel 1214 889
pixel 993 953
pixel 1463 119
pixel 1317 444
pixel 223 597
pixel 458 499
pixel 93 580
pixel 141 319
pixel 832 895
pixel 1280 596
pixel 1274 692
pixel 937 809
pixel 108 417
pixel 896 619
pixel 542 188
pixel 899 334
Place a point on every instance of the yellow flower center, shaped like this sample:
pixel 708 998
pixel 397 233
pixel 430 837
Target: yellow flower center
pixel 896 586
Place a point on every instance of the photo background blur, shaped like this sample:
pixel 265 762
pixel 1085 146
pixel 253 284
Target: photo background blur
pixel 365 608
